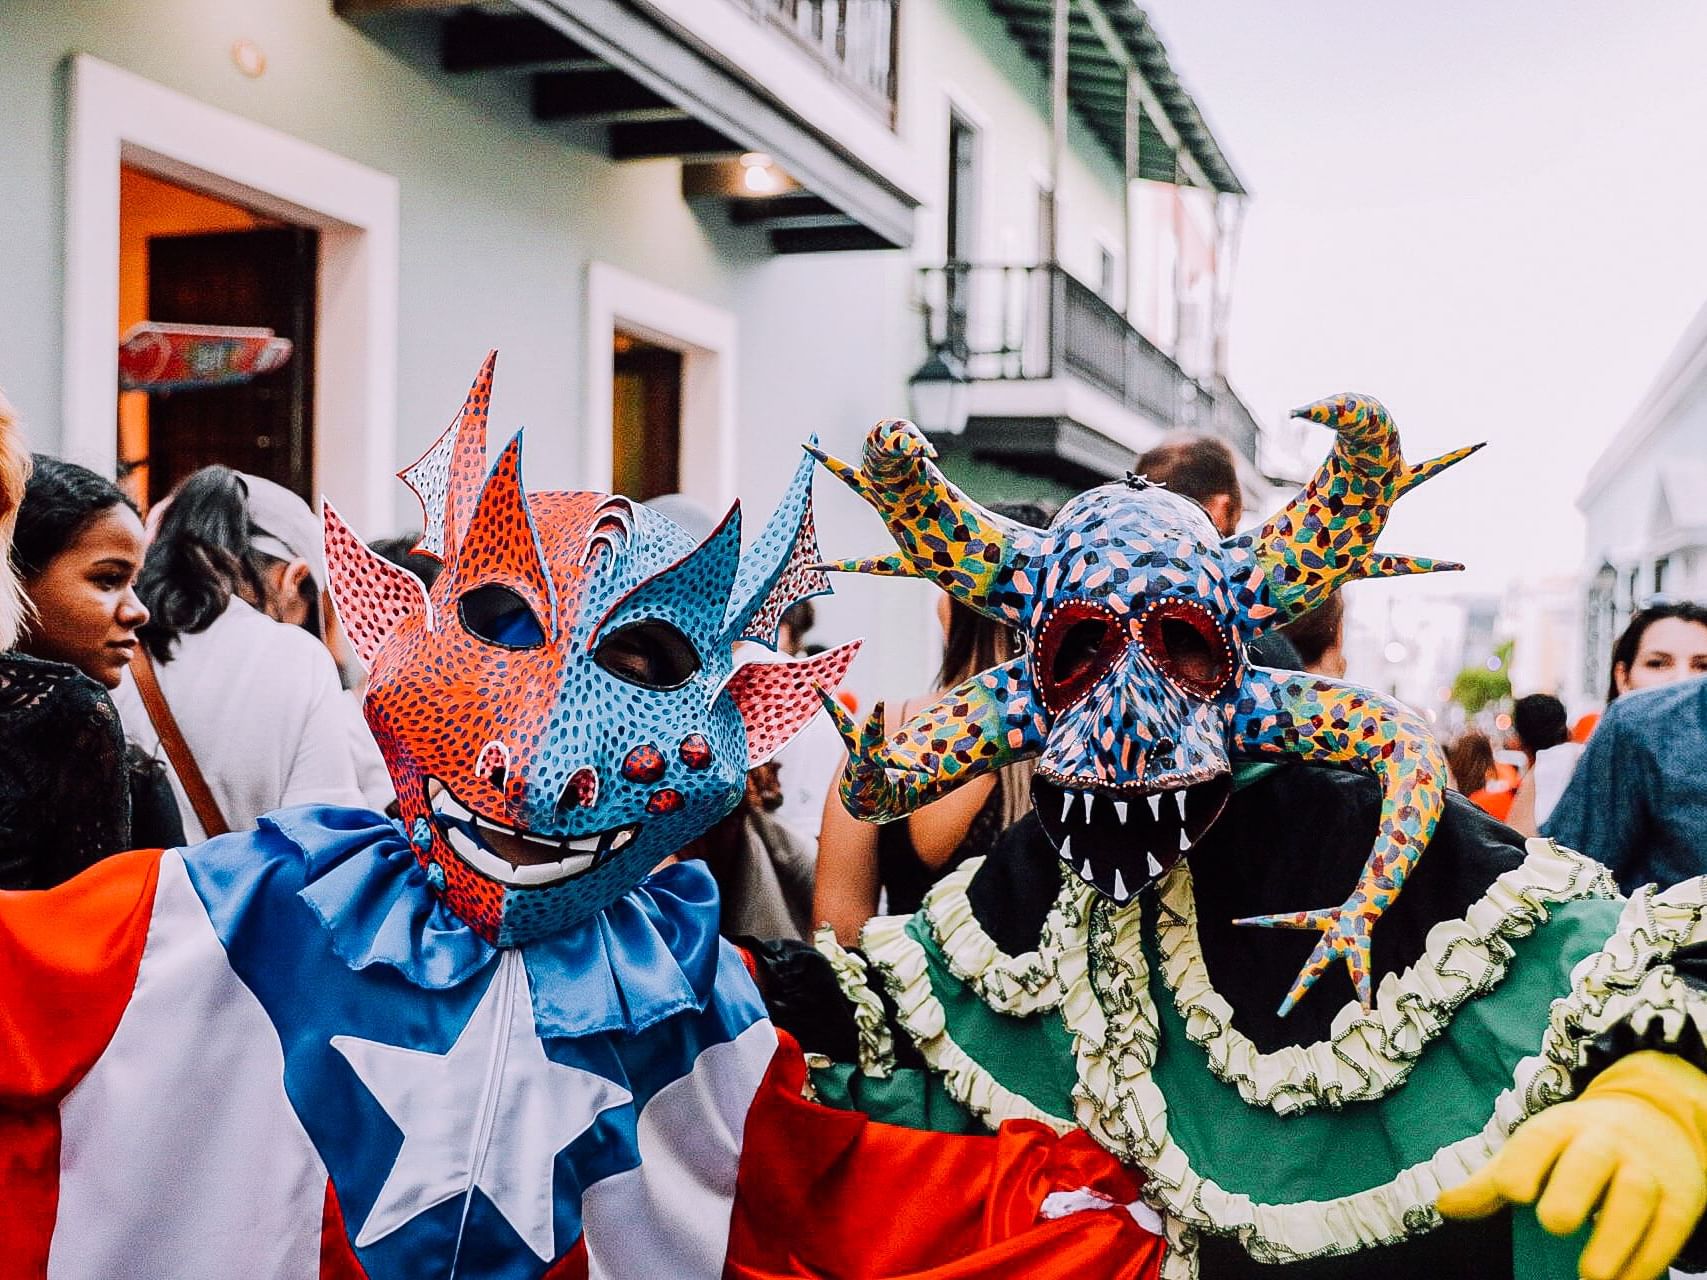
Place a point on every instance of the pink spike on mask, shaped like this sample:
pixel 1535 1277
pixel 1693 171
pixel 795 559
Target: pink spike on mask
pixel 776 699
pixel 448 477
pixel 372 594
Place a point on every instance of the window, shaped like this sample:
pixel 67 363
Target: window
pixel 1108 273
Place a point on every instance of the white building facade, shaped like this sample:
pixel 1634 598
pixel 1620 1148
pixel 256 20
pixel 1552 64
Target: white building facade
pixel 697 230
pixel 1645 508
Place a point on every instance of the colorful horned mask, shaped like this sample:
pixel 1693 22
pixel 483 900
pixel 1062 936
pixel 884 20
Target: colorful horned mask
pixel 563 711
pixel 1135 694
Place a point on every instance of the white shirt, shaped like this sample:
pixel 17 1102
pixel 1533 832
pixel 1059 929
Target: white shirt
pixel 258 702
pixel 1553 769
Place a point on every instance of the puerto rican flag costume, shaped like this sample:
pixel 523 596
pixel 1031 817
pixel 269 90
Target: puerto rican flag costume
pixel 341 1046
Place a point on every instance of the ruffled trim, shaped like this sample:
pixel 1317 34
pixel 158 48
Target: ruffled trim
pixel 648 956
pixel 1019 985
pixel 902 962
pixel 1108 1013
pixel 1369 1054
pixel 876 1051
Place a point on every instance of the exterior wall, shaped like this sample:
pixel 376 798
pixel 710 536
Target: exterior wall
pixel 499 217
pixel 1645 510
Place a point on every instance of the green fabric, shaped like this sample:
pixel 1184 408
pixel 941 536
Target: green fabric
pixel 909 1096
pixel 1323 1154
pixel 1246 772
pixel 1031 1056
pixel 1537 1255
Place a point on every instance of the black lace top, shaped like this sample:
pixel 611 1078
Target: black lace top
pixel 64 784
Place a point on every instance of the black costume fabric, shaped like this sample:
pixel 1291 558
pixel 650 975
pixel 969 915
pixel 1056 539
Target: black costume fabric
pixel 904 876
pixel 1248 864
pixel 64 785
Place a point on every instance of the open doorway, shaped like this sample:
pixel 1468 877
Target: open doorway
pixel 646 417
pixel 187 257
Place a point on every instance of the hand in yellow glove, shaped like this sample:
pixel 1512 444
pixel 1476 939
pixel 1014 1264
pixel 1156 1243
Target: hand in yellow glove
pixel 1635 1144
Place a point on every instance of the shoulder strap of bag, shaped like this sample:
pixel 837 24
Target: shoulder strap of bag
pixel 177 750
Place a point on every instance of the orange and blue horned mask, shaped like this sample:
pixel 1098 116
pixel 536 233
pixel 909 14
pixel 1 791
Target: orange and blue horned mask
pixel 563 711
pixel 1135 694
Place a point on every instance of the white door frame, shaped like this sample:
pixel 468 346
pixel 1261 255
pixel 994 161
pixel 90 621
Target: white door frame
pixel 705 335
pixel 116 117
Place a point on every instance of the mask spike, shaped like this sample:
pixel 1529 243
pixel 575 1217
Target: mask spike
pixel 880 566
pixel 448 477
pixel 1414 476
pixel 1397 566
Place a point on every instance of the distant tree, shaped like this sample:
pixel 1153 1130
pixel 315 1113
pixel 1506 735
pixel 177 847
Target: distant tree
pixel 1480 687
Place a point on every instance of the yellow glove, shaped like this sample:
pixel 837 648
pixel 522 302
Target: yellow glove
pixel 1635 1143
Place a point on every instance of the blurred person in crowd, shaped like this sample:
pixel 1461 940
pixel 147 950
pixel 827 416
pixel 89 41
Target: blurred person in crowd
pixel 797 621
pixel 67 776
pixel 245 682
pixel 1544 736
pixel 1319 638
pixel 1638 798
pixel 1203 469
pixel 1470 760
pixel 401 552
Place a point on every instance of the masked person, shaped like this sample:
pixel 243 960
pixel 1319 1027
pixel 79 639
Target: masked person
pixel 1325 1013
pixel 500 1036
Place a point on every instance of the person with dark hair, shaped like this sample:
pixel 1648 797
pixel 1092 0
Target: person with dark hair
pixel 248 713
pixel 1662 644
pixel 1637 800
pixel 401 552
pixel 1319 637
pixel 858 861
pixel 1201 468
pixel 74 791
pixel 1470 760
pixel 1544 736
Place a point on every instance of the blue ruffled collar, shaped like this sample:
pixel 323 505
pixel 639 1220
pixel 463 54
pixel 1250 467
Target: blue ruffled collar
pixel 645 957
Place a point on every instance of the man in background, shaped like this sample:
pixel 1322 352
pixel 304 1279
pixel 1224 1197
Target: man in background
pixel 1202 468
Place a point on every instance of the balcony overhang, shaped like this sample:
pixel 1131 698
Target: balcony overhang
pixel 626 77
pixel 1111 44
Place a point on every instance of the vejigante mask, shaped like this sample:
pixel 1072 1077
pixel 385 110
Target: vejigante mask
pixel 563 711
pixel 1134 693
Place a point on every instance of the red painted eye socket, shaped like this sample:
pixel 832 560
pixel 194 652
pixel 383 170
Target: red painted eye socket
pixel 1184 640
pixel 1080 642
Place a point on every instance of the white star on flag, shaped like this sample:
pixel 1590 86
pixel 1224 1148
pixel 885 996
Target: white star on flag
pixel 492 1113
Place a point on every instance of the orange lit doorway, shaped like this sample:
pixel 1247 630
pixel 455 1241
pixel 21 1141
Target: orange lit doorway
pixel 190 258
pixel 646 418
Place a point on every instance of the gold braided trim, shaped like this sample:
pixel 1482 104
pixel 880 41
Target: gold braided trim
pixel 1017 985
pixel 1369 1054
pixel 876 1042
pixel 904 966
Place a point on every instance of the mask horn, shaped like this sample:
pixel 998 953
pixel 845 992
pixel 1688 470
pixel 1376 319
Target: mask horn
pixel 977 556
pixel 373 595
pixel 781 568
pixel 1325 537
pixel 502 546
pixel 447 478
pixel 776 699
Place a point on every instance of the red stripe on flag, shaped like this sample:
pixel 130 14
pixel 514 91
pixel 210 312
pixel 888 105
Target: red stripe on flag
pixel 824 1192
pixel 68 964
pixel 337 1256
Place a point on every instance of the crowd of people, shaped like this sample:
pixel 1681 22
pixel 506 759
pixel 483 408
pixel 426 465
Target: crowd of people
pixel 180 674
pixel 135 645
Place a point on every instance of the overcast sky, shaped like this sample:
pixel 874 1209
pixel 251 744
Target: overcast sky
pixel 1491 214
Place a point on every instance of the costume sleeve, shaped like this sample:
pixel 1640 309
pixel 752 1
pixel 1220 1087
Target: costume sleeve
pixel 1604 810
pixel 323 769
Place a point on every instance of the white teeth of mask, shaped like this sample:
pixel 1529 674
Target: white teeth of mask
pixel 1120 885
pixel 1155 806
pixel 1120 811
pixel 1155 867
pixel 1090 799
pixel 1066 806
pixel 1179 802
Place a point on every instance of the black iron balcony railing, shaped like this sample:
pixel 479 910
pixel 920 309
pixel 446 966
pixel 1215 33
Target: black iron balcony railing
pixel 855 40
pixel 1023 322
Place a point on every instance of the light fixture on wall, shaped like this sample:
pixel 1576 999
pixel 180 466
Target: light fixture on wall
pixel 938 394
pixel 758 175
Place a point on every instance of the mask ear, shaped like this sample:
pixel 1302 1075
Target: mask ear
pixel 776 699
pixel 448 477
pixel 372 594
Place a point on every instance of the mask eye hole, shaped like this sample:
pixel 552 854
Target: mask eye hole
pixel 650 653
pixel 1080 642
pixel 1184 641
pixel 499 616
